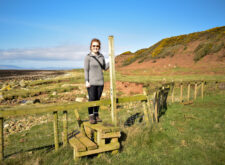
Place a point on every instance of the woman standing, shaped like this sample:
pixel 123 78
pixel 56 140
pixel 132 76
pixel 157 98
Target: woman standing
pixel 94 63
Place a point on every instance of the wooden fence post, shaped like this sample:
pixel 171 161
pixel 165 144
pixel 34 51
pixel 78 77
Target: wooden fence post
pixel 56 133
pixel 188 92
pixel 181 92
pixel 1 140
pixel 112 80
pixel 156 106
pixel 146 106
pixel 149 105
pixel 202 91
pixel 195 96
pixel 65 128
pixel 173 93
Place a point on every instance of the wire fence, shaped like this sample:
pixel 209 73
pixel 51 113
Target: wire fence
pixel 29 133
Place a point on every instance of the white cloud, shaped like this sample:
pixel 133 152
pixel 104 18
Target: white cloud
pixel 64 52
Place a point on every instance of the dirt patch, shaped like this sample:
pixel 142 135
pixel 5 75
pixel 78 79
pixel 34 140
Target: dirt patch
pixel 126 88
pixel 183 58
pixel 210 64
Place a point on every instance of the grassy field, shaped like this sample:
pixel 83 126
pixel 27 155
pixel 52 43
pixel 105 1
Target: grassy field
pixel 191 134
pixel 168 77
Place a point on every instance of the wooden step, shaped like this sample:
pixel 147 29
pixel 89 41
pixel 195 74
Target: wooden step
pixel 90 145
pixel 82 143
pixel 107 147
pixel 101 128
pixel 110 135
pixel 75 143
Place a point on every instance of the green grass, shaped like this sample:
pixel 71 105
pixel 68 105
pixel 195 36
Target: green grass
pixel 24 93
pixel 38 87
pixel 191 134
pixel 178 78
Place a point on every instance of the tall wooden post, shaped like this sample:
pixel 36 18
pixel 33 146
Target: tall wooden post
pixel 181 92
pixel 195 96
pixel 56 133
pixel 188 92
pixel 202 90
pixel 65 128
pixel 112 80
pixel 1 140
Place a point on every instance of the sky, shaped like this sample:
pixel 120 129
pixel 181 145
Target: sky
pixel 36 34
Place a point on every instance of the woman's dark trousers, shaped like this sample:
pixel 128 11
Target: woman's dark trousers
pixel 94 94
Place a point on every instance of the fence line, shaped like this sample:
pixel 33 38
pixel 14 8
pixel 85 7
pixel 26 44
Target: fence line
pixel 152 106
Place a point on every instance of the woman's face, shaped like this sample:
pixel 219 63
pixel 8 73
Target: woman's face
pixel 95 47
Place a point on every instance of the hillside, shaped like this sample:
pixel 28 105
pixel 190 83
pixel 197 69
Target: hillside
pixel 201 50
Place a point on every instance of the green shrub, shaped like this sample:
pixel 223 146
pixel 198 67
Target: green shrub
pixel 142 60
pixel 169 46
pixel 217 47
pixel 202 50
pixel 127 52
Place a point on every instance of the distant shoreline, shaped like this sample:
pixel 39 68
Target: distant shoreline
pixel 28 74
pixel 41 69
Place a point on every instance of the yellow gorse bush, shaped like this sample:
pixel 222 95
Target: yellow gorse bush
pixel 165 46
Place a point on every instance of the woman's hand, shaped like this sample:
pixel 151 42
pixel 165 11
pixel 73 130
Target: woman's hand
pixel 88 84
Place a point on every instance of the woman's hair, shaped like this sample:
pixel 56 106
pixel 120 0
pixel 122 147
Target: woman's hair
pixel 95 40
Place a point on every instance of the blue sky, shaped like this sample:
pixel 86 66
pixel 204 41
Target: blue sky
pixel 57 33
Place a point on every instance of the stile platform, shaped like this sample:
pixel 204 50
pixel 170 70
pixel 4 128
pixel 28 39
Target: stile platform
pixel 94 139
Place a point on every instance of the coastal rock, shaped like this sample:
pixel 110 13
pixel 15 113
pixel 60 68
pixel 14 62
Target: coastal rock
pixel 22 83
pixel 1 96
pixel 79 99
pixel 54 93
pixel 15 126
pixel 6 125
pixel 103 94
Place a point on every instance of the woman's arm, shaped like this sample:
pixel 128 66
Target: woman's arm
pixel 86 70
pixel 106 65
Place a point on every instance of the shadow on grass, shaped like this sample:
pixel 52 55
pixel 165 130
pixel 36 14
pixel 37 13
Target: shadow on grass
pixel 161 102
pixel 47 147
pixel 131 120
